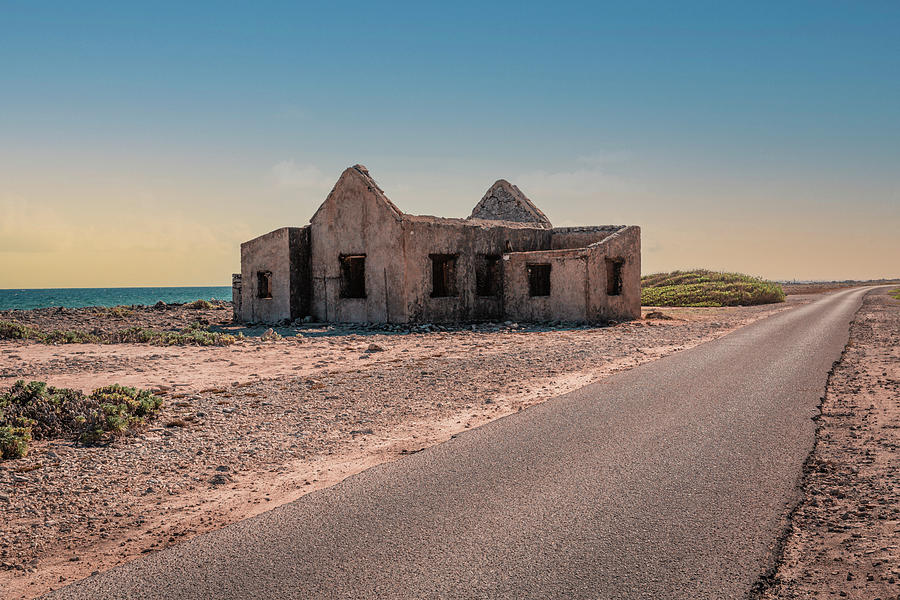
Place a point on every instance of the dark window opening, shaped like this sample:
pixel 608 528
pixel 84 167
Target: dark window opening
pixel 264 284
pixel 487 275
pixel 443 275
pixel 353 275
pixel 614 276
pixel 538 280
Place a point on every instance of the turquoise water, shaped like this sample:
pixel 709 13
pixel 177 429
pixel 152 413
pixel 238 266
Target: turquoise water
pixel 75 297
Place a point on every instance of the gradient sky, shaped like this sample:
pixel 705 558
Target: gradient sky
pixel 139 145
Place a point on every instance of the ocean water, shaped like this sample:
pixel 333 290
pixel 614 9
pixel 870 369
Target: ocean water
pixel 76 297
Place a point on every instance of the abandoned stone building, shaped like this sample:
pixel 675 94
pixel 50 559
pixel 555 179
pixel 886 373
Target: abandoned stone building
pixel 361 259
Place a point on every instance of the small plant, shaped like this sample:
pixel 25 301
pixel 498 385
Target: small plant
pixel 14 441
pixel 118 410
pixel 895 294
pixel 113 311
pixel 199 305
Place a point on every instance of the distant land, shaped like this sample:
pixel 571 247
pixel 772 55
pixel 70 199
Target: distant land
pixel 25 299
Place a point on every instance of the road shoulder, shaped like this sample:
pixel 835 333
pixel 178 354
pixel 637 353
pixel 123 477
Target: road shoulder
pixel 843 538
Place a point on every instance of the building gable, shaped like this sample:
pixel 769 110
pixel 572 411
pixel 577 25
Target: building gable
pixel 355 190
pixel 505 202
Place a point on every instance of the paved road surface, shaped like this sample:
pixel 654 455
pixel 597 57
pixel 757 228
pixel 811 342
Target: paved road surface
pixel 670 480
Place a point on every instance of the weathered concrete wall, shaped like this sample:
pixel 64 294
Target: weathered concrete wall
pixel 569 291
pixel 236 297
pixel 425 236
pixel 269 252
pixel 357 218
pixel 301 285
pixel 623 245
pixel 580 237
pixel 578 282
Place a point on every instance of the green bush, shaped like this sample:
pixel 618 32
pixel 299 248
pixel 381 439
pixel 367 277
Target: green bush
pixel 195 334
pixel 70 337
pixel 47 411
pixel 199 304
pixel 895 294
pixel 14 331
pixel 35 410
pixel 118 409
pixel 707 288
pixel 14 441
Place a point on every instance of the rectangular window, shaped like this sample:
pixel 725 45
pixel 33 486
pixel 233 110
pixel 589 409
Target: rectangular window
pixel 614 276
pixel 487 275
pixel 443 275
pixel 538 280
pixel 264 284
pixel 353 275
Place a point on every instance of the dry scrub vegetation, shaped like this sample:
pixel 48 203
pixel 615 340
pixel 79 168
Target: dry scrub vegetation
pixel 36 411
pixel 707 288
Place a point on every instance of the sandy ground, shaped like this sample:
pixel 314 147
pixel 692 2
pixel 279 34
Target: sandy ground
pixel 845 535
pixel 249 427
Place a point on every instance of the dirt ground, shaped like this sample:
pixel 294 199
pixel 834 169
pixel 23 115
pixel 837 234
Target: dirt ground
pixel 257 424
pixel 845 535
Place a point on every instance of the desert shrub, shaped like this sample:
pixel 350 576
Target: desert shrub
pixel 119 311
pixel 194 334
pixel 199 304
pixel 37 411
pixel 14 441
pixel 10 330
pixel 70 337
pixel 118 409
pixel 47 411
pixel 15 331
pixel 707 288
pixel 895 294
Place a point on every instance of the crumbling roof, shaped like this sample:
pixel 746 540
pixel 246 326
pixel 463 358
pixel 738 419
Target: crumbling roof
pixel 505 202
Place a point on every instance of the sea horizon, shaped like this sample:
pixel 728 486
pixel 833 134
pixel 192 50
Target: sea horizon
pixel 80 297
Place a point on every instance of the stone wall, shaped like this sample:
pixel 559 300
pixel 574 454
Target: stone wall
pixel 269 253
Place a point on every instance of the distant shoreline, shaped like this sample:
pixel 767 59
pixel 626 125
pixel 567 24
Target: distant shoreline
pixel 28 299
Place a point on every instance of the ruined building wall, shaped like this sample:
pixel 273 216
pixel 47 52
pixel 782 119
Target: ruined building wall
pixel 267 254
pixel 579 281
pixel 356 220
pixel 468 243
pixel 580 237
pixel 624 246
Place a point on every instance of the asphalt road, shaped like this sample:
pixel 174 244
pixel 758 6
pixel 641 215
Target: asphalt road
pixel 671 480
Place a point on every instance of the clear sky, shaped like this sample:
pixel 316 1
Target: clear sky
pixel 140 143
